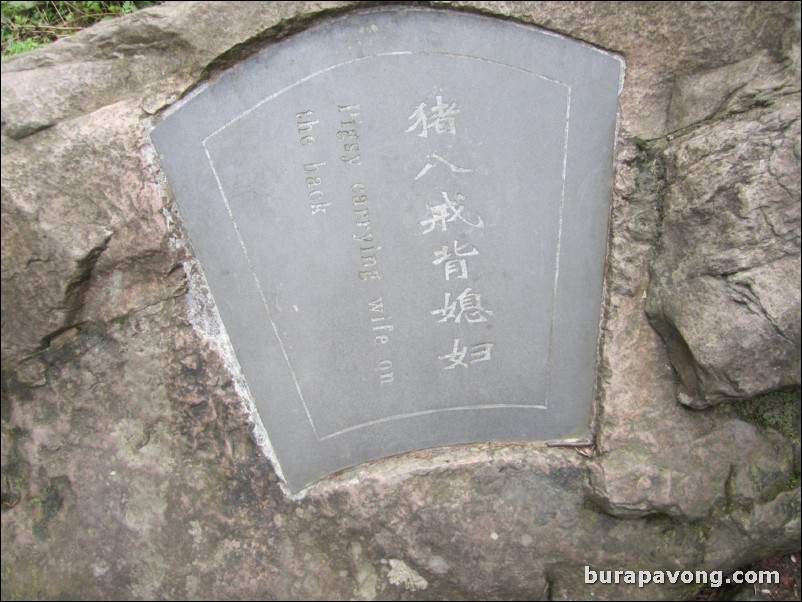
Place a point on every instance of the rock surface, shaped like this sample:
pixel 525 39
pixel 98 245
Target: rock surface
pixel 128 461
pixel 725 291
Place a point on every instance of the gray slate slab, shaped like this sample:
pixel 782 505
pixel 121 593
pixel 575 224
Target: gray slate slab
pixel 402 216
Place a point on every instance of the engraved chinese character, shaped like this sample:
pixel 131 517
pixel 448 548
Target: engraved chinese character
pixel 456 356
pixel 453 168
pixel 441 118
pixel 449 211
pixel 454 265
pixel 468 305
pixel 479 353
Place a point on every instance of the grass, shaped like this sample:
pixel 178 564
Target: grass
pixel 28 25
pixel 779 411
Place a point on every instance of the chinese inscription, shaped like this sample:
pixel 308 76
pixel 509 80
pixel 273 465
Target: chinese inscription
pixel 478 353
pixel 435 157
pixel 447 212
pixel 398 267
pixel 454 263
pixel 440 118
pixel 465 307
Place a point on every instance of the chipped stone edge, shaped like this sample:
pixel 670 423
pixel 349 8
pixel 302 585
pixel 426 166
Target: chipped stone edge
pixel 202 311
pixel 607 297
pixel 205 319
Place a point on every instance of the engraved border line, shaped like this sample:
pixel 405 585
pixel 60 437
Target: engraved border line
pixel 261 290
pixel 493 406
pixel 364 58
pixel 559 243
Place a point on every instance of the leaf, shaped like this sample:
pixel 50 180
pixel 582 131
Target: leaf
pixel 15 48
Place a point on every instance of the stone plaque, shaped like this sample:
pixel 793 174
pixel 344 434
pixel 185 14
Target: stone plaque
pixel 402 215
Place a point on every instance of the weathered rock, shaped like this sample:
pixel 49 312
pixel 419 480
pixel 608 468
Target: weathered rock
pixel 725 291
pixel 129 466
pixel 729 89
pixel 632 482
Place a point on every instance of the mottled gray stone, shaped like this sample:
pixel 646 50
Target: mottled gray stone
pixel 129 464
pixel 725 291
pixel 402 217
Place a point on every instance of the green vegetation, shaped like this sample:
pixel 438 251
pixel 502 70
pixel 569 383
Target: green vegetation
pixel 28 25
pixel 779 411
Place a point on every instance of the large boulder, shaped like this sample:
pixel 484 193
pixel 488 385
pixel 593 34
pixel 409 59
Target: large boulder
pixel 725 291
pixel 129 463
